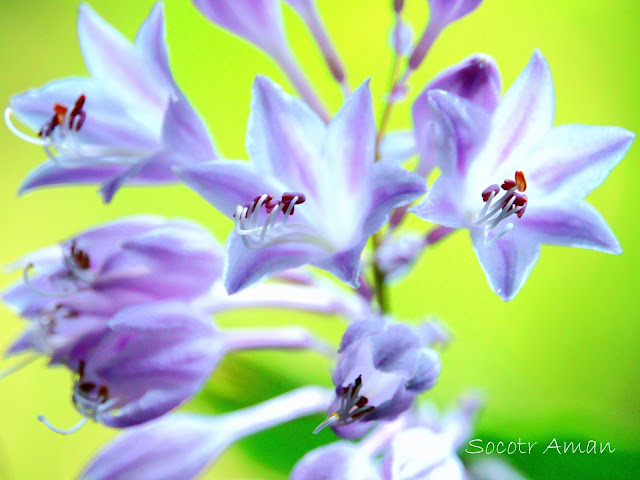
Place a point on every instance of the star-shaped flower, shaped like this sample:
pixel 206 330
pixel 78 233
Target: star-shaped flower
pixel 312 193
pixel 515 181
pixel 128 122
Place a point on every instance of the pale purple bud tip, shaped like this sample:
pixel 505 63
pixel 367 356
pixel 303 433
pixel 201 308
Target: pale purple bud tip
pixel 442 13
pixel 401 38
pixel 258 21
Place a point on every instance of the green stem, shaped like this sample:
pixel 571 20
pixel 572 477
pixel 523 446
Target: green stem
pixel 386 113
pixel 379 280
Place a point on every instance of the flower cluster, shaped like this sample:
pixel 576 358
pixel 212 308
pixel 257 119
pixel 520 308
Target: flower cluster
pixel 126 306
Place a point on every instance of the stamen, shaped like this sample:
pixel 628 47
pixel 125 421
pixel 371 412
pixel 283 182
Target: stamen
pixel 352 407
pixel 27 138
pixel 78 262
pixel 246 217
pixel 69 431
pixel 45 293
pixel 509 204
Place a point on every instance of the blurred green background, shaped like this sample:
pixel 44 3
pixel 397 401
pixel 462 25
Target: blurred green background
pixel 561 360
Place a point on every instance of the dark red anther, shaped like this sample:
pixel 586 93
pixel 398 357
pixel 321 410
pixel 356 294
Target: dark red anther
pixel 80 257
pixel 520 212
pixel 520 201
pixel 521 181
pixel 362 401
pixel 86 387
pixel 103 393
pixel 77 107
pixel 361 413
pixel 486 193
pixel 288 197
pixel 78 113
pixel 508 184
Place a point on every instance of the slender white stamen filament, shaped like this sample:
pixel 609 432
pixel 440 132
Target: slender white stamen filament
pixel 19 366
pixel 69 431
pixel 487 204
pixel 287 213
pixel 503 214
pixel 331 419
pixel 45 293
pixel 486 242
pixel 27 138
pixel 246 220
pixel 257 206
pixel 67 144
pixel 271 221
pixel 484 218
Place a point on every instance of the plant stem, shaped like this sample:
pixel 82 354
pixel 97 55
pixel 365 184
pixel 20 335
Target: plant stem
pixel 379 280
pixel 386 113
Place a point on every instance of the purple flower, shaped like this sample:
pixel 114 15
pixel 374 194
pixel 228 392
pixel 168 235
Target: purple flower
pixel 382 366
pixel 415 445
pixel 336 461
pixel 154 356
pixel 127 123
pixel 475 79
pixel 489 158
pixel 85 280
pixel 441 14
pixel 180 446
pixel 312 194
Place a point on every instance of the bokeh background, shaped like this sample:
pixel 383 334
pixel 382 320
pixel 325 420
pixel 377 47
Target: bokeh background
pixel 561 360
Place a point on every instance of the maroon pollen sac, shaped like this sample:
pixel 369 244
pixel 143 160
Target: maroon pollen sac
pixel 520 201
pixel 78 113
pixel 492 189
pixel 508 184
pixel 289 197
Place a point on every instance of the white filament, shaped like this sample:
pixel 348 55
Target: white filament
pixel 490 220
pixel 246 221
pixel 68 431
pixel 27 138
pixel 45 293
pixel 67 144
